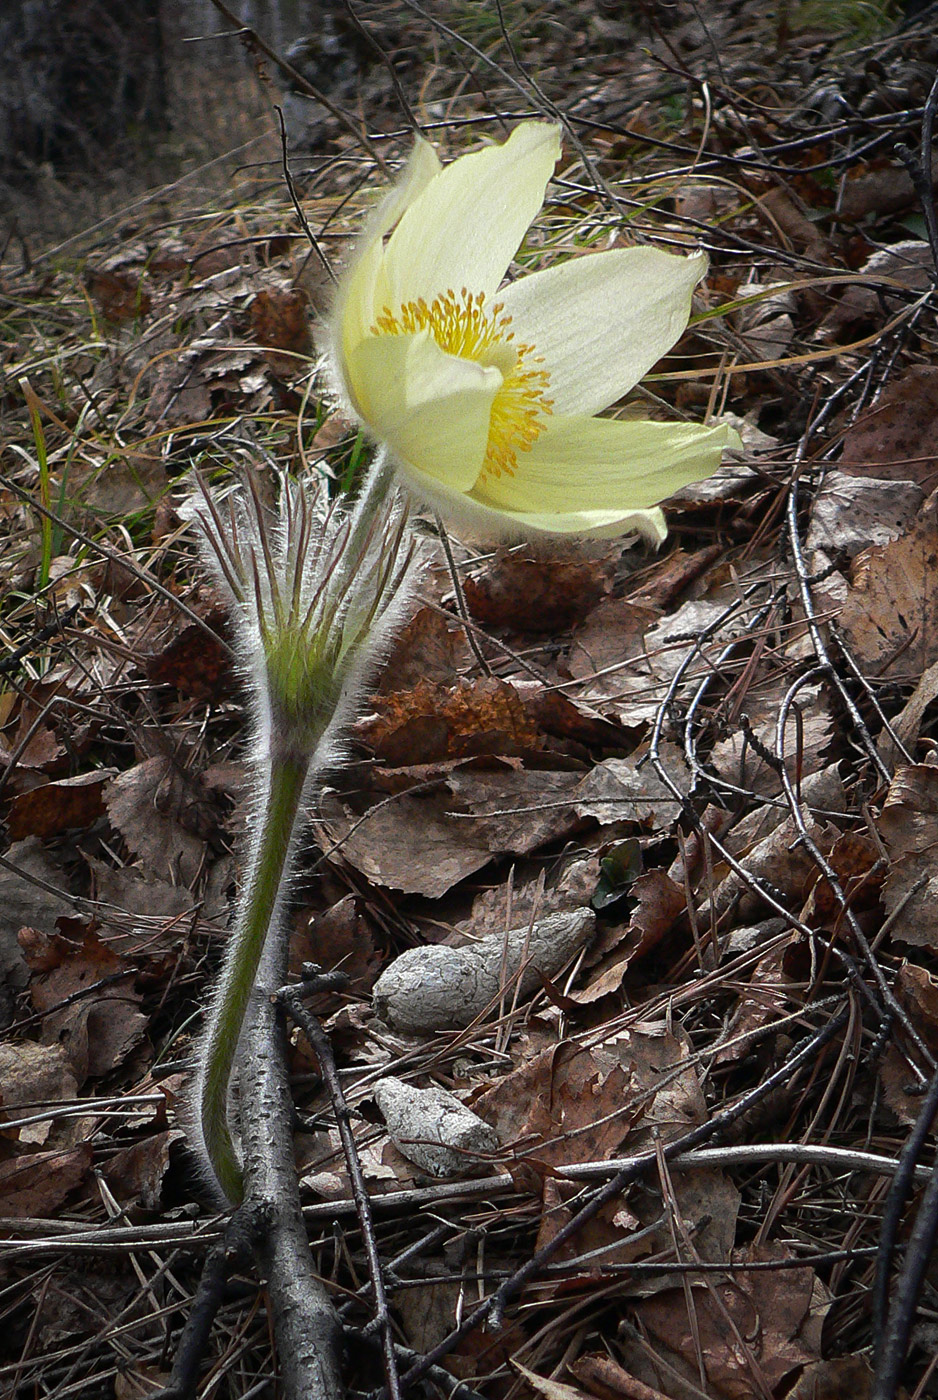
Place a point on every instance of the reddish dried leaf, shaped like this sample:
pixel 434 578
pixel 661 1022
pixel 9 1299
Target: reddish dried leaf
pixel 844 1378
pixel 854 859
pixel 120 295
pixel 917 992
pixel 660 902
pixel 433 722
pixel 908 828
pixel 555 714
pixel 752 1330
pixel 196 663
pixel 54 807
pixel 537 592
pixel 340 938
pixel 37 1183
pixel 668 580
pixel 430 647
pixel 135 1173
pixel 40 751
pixel 280 322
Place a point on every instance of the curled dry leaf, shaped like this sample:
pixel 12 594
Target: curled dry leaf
pixel 437 988
pixel 135 1174
pixel 660 903
pixel 890 618
pixel 908 827
pixel 433 1129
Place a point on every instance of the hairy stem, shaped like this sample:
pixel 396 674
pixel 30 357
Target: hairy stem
pixel 264 887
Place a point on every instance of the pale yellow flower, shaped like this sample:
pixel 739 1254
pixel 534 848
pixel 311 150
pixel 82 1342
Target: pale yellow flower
pixel 485 395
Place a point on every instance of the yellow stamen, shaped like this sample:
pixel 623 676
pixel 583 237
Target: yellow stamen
pixel 465 327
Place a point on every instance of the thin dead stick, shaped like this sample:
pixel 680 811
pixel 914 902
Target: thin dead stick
pixel 467 623
pixel 291 997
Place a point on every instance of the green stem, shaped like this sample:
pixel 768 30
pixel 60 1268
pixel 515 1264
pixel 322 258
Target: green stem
pixel 263 890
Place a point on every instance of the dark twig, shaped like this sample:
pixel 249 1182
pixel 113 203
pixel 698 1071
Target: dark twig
pixel 232 1254
pixel 461 608
pixel 291 997
pixel 295 199
pixel 918 1255
pixel 493 1306
pixel 892 1217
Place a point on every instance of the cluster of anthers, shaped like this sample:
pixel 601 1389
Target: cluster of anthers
pixel 465 327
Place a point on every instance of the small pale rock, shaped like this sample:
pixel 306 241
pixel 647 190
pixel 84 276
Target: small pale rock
pixel 432 1129
pixel 438 988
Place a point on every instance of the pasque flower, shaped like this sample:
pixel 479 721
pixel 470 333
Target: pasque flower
pixel 315 594
pixel 486 395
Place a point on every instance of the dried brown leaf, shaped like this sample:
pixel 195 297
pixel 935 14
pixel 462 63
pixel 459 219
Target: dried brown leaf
pixel 540 591
pixel 31 1074
pixel 890 618
pixel 37 1183
pixel 896 438
pixel 196 663
pixel 54 807
pixel 752 1330
pixel 432 723
pixel 164 814
pixel 908 827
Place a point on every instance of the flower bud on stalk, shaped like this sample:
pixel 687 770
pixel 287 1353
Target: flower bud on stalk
pixel 315 595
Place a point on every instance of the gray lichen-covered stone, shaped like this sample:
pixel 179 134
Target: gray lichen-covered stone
pixel 431 989
pixel 432 1129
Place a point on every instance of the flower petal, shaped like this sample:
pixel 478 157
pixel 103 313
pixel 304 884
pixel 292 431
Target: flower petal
pixel 602 320
pixel 602 464
pixel 430 408
pixel 475 520
pixel 465 227
pixel 354 310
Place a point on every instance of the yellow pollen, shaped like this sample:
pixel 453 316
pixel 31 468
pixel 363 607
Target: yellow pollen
pixel 464 326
